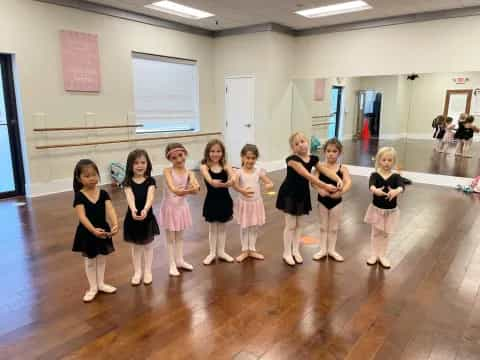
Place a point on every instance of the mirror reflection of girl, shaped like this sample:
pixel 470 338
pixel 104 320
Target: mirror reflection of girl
pixel 459 134
pixel 383 214
pixel 330 204
pixel 467 136
pixel 440 131
pixel 175 216
pixel 294 195
pixel 249 209
pixel 93 237
pixel 448 136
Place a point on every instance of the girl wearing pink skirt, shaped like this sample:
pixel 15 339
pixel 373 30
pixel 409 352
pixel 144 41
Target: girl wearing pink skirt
pixel 175 214
pixel 249 210
pixel 383 213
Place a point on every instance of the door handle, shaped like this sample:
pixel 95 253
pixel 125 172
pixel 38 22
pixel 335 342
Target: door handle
pixel 248 125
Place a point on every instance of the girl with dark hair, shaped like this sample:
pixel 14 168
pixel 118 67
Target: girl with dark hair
pixel 218 205
pixel 140 225
pixel 93 237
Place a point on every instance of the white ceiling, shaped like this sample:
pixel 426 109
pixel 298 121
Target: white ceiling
pixel 235 13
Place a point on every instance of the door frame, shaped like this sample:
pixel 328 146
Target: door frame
pixel 467 92
pixel 13 127
pixel 225 125
pixel 338 112
pixel 380 130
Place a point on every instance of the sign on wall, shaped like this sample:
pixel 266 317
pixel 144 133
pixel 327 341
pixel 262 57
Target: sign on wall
pixel 80 60
pixel 319 89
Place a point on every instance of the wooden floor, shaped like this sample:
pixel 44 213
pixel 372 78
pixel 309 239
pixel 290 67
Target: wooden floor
pixel 426 307
pixel 415 155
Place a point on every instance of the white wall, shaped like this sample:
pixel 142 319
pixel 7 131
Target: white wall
pixel 32 34
pixel 268 57
pixel 435 46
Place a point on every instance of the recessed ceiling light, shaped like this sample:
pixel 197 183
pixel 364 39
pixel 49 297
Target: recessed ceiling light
pixel 335 9
pixel 180 10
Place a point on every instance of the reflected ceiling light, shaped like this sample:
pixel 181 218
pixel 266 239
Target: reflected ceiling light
pixel 335 9
pixel 180 10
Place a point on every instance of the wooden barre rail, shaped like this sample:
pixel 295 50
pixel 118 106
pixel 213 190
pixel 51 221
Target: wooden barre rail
pixel 42 147
pixel 323 116
pixel 324 123
pixel 86 128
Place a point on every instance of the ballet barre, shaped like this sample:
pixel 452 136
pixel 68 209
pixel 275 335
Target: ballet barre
pixel 87 128
pixel 120 141
pixel 323 116
pixel 324 123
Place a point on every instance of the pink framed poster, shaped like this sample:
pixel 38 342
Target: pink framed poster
pixel 80 60
pixel 319 89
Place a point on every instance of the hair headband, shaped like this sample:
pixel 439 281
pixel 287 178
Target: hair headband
pixel 176 150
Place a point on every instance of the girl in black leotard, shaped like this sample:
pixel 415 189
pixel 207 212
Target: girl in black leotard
pixel 383 213
pixel 294 195
pixel 459 134
pixel 330 204
pixel 218 206
pixel 467 137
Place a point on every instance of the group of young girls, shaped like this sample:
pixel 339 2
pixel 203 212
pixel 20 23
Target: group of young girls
pixel 331 180
pixel 445 133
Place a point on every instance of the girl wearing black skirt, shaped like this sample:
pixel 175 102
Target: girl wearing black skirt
pixel 140 225
pixel 93 237
pixel 294 195
pixel 218 205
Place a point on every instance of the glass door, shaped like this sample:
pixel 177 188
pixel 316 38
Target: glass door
pixel 11 167
pixel 335 111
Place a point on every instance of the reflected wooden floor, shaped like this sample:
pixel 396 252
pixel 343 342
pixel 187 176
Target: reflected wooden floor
pixel 415 155
pixel 426 307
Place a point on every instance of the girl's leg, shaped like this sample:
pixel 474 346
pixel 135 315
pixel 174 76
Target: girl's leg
pixel 252 241
pixel 375 240
pixel 459 147
pixel 148 258
pixel 467 144
pixel 181 263
pixel 91 272
pixel 173 271
pixel 334 218
pixel 288 235
pixel 297 239
pixel 244 242
pixel 101 264
pixel 323 214
pixel 383 247
pixel 137 251
pixel 212 241
pixel 222 238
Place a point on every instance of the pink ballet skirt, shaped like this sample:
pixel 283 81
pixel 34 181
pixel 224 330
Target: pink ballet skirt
pixel 174 212
pixel 448 137
pixel 250 211
pixel 383 219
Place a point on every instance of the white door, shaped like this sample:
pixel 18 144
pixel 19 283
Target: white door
pixel 239 116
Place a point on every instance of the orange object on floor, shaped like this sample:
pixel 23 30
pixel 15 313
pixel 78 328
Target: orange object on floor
pixel 308 240
pixel 365 130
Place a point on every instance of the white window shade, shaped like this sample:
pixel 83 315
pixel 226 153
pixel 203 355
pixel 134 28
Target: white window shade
pixel 166 93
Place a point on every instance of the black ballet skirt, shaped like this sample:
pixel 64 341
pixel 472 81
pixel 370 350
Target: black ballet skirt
pixel 327 201
pixel 85 242
pixel 294 193
pixel 140 232
pixel 218 205
pixel 460 133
